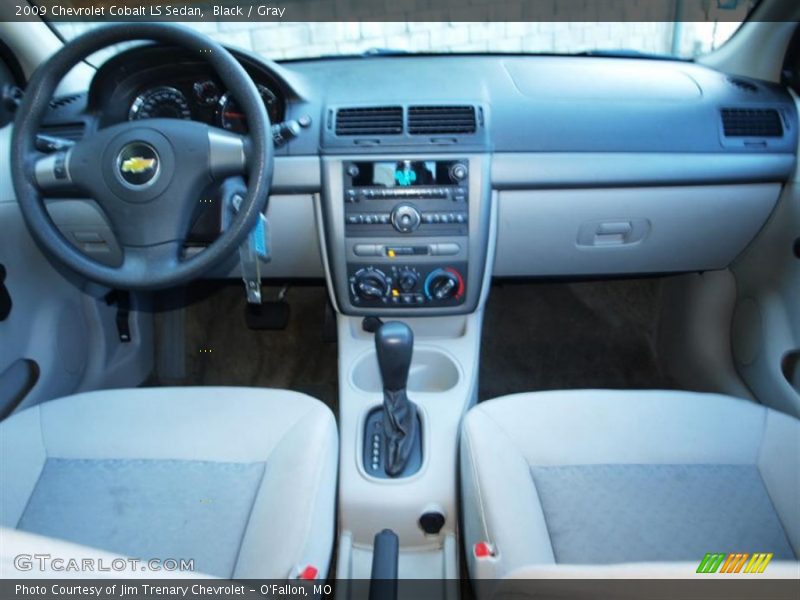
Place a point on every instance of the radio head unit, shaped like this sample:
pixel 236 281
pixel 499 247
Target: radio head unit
pixel 406 235
pixel 406 197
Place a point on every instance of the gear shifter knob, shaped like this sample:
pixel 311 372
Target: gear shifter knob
pixel 394 344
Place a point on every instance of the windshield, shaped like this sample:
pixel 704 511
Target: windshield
pixel 297 40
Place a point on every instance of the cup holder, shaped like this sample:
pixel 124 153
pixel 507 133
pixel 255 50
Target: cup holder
pixel 431 371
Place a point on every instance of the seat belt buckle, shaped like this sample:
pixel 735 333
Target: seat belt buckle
pixel 486 561
pixel 304 581
pixel 304 573
pixel 483 550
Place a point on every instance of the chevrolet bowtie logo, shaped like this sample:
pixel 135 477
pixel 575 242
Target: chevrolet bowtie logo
pixel 138 164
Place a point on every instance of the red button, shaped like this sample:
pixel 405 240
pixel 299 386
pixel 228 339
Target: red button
pixel 483 550
pixel 309 573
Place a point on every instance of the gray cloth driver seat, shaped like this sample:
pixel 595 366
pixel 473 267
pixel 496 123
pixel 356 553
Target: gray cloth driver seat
pixel 240 481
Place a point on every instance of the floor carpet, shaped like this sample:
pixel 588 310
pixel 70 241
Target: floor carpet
pixel 536 336
pixel 544 336
pixel 222 350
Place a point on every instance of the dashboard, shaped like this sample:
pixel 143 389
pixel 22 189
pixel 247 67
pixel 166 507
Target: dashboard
pixel 407 197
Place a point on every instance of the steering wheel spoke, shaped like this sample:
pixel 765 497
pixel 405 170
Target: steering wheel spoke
pixel 52 174
pixel 227 154
pixel 145 259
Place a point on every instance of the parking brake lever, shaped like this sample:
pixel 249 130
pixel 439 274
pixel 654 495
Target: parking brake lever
pixel 385 558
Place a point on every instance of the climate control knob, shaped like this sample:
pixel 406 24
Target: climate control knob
pixel 407 280
pixel 370 284
pixel 444 284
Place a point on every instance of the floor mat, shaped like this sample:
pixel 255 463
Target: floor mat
pixel 222 350
pixel 543 336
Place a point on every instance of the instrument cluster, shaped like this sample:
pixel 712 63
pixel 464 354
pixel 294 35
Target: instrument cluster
pixel 202 99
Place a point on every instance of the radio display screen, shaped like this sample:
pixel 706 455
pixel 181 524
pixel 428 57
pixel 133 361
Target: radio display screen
pixel 402 173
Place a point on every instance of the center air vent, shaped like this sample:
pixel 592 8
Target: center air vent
pixel 378 120
pixel 428 120
pixel 751 122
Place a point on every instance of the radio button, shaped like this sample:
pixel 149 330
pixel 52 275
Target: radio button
pixel 445 249
pixel 458 172
pixel 405 218
pixel 354 219
pixel 367 250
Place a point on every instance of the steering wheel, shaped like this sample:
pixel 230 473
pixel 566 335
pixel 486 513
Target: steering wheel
pixel 146 175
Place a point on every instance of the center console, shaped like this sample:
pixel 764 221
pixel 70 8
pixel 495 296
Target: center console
pixel 405 238
pixel 406 234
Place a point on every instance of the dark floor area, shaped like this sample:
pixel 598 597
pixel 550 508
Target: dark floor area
pixel 544 336
pixel 536 336
pixel 222 350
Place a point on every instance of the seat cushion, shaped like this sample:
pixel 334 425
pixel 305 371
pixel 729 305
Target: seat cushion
pixel 558 479
pixel 242 481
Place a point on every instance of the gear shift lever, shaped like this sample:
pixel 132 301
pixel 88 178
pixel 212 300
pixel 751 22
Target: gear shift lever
pixel 394 344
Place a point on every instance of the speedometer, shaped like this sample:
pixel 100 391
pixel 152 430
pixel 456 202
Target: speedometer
pixel 160 103
pixel 232 118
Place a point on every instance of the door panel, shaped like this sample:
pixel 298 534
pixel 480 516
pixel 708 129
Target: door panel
pixel 766 322
pixel 55 324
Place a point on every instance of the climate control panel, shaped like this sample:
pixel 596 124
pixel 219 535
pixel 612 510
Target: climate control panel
pixel 406 285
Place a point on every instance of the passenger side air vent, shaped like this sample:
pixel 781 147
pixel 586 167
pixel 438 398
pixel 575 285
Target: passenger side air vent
pixel 377 120
pixel 752 122
pixel 430 120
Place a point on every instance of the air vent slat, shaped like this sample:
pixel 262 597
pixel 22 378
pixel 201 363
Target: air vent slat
pixel 62 101
pixel 743 84
pixel 431 120
pixel 751 122
pixel 377 120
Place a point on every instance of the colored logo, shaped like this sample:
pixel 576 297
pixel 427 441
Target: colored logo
pixel 735 562
pixel 138 164
pixel 405 177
